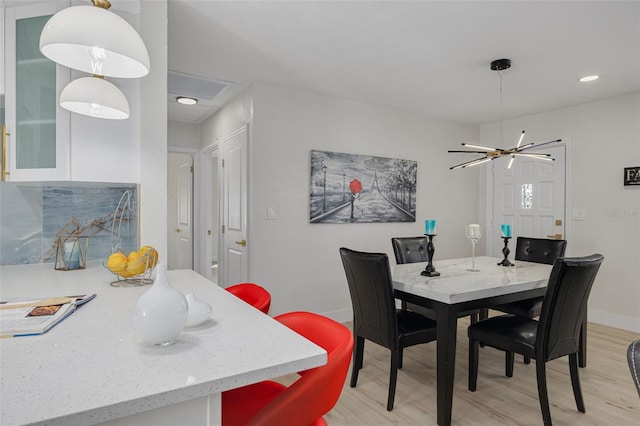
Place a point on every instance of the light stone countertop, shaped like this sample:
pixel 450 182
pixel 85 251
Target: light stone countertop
pixel 92 368
pixel 456 284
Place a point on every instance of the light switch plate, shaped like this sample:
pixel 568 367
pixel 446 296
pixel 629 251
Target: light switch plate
pixel 579 214
pixel 271 213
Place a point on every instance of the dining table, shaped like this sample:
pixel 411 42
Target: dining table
pixel 459 288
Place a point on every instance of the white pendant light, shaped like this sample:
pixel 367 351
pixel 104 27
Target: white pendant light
pixel 94 40
pixel 95 97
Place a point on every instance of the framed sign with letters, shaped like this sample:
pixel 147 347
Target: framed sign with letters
pixel 631 176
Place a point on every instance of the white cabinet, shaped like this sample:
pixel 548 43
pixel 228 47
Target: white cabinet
pixel 38 141
pixel 2 66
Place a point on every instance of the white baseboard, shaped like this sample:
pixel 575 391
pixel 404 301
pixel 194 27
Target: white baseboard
pixel 341 316
pixel 613 320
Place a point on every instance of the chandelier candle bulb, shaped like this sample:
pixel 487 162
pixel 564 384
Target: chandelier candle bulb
pixel 430 227
pixel 506 230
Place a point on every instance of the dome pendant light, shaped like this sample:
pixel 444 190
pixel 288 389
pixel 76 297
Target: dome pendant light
pixel 493 153
pixel 95 97
pixel 95 40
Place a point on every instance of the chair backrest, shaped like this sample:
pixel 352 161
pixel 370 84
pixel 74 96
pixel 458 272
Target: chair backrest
pixel 565 304
pixel 539 250
pixel 410 249
pixel 253 294
pixel 317 391
pixel 372 297
pixel 633 356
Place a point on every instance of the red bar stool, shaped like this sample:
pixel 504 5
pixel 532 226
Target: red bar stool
pixel 253 294
pixel 307 399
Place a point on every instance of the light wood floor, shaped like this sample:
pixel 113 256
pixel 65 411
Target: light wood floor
pixel 609 394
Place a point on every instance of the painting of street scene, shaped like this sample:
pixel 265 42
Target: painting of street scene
pixel 348 188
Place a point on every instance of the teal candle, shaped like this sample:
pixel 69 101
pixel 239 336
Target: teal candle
pixel 430 227
pixel 506 230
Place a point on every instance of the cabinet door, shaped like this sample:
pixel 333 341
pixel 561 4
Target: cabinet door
pixel 38 148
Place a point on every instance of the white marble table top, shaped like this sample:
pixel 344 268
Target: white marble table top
pixel 92 368
pixel 456 284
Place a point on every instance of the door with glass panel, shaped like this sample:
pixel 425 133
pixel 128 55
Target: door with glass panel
pixel 37 127
pixel 530 197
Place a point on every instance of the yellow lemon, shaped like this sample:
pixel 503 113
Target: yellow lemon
pixel 125 274
pixel 133 256
pixel 136 267
pixel 117 262
pixel 152 255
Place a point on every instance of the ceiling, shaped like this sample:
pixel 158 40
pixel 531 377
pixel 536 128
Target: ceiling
pixel 427 57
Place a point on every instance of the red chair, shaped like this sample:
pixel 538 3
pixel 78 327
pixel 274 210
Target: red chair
pixel 253 294
pixel 310 397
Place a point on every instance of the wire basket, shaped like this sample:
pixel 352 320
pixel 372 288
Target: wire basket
pixel 136 267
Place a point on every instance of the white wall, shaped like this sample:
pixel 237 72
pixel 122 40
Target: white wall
pixel 153 129
pixel 604 137
pixel 298 262
pixel 184 135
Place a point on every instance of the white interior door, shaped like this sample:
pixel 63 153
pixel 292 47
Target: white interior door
pixel 530 197
pixel 179 211
pixel 234 267
pixel 210 228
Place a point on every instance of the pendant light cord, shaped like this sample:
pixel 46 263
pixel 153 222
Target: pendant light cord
pixel 501 135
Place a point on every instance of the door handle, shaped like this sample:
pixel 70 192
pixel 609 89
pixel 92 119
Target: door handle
pixel 555 236
pixel 178 230
pixel 4 153
pixel 243 243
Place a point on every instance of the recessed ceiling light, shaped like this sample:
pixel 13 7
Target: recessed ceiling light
pixel 186 101
pixel 588 78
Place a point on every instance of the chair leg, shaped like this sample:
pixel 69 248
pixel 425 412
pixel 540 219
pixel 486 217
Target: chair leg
pixel 473 318
pixel 358 355
pixel 401 356
pixel 582 344
pixel 541 376
pixel 473 364
pixel 508 364
pixel 575 381
pixel 526 360
pixel 403 305
pixel 393 377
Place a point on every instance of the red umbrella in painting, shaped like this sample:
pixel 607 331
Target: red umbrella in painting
pixel 355 186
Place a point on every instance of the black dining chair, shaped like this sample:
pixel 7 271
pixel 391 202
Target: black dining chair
pixel 633 356
pixel 537 250
pixel 375 317
pixel 414 250
pixel 554 335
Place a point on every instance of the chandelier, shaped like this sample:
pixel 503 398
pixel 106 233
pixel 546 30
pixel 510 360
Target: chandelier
pixel 491 153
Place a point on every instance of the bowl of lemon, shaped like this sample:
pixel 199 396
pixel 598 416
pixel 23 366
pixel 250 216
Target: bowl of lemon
pixel 132 269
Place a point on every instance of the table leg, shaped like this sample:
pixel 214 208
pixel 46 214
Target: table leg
pixel 446 347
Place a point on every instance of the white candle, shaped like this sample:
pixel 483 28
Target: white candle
pixel 474 230
pixel 72 254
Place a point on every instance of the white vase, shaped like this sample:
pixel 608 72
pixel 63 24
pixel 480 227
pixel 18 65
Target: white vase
pixel 199 311
pixel 161 312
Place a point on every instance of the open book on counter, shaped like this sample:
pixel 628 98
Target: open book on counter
pixel 28 317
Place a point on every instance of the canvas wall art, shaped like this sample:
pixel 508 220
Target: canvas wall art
pixel 348 188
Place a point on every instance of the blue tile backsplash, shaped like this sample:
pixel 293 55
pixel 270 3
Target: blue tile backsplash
pixel 33 215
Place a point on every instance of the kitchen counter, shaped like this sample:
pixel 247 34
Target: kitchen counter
pixel 92 368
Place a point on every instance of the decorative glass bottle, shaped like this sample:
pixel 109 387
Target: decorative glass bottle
pixel 161 312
